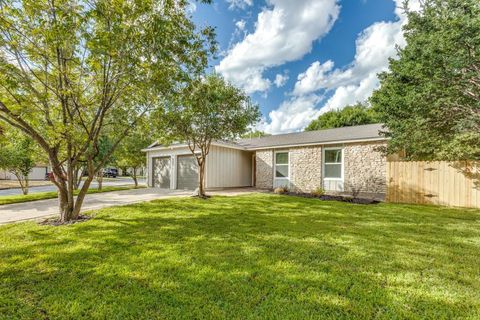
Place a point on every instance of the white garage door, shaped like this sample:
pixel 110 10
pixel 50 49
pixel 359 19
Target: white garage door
pixel 187 173
pixel 161 172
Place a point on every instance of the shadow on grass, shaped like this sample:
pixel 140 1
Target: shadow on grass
pixel 256 256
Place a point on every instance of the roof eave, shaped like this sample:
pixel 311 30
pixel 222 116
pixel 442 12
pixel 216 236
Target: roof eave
pixel 184 145
pixel 317 143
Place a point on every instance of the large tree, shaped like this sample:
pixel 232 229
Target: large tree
pixel 210 109
pixel 254 134
pixel 349 116
pixel 72 71
pixel 430 97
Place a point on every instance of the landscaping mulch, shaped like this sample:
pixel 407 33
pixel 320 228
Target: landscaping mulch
pixel 340 198
pixel 57 222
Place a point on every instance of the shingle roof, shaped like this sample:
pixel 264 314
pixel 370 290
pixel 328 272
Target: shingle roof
pixel 326 136
pixel 364 132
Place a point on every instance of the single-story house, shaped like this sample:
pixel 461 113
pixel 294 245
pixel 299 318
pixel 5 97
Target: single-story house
pixel 337 160
pixel 38 173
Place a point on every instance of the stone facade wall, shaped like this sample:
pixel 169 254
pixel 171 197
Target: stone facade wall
pixel 264 169
pixel 305 168
pixel 365 168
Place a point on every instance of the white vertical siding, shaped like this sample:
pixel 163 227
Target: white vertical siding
pixel 227 167
pixel 37 173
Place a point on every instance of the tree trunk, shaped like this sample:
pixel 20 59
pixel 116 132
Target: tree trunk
pixel 100 179
pixel 69 205
pixel 201 182
pixel 81 197
pixel 27 186
pixel 78 177
pixel 134 177
pixel 23 182
pixel 65 205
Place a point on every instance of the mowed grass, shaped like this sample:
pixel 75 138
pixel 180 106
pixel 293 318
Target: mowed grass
pixel 246 257
pixel 53 194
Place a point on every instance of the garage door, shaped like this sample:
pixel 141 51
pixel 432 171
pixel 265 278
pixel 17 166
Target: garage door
pixel 161 172
pixel 187 173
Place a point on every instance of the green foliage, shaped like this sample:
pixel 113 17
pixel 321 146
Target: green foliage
pixel 18 156
pixel 246 257
pixel 210 109
pixel 72 73
pixel 280 190
pixel 430 97
pixel 254 134
pixel 349 116
pixel 129 153
pixel 318 192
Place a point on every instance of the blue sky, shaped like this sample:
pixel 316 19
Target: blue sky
pixel 300 58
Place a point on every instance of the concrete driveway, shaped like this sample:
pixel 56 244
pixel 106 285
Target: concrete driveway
pixel 45 208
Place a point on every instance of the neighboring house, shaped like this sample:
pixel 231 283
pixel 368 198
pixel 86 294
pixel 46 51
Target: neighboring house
pixel 337 160
pixel 38 173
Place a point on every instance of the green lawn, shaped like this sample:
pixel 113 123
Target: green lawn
pixel 53 194
pixel 246 257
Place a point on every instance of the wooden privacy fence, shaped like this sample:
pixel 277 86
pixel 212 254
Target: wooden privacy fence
pixel 437 182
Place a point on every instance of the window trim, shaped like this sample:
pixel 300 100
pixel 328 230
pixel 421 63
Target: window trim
pixel 342 164
pixel 275 165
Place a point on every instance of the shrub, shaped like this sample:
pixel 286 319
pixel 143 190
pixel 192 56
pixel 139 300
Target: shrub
pixel 280 190
pixel 318 192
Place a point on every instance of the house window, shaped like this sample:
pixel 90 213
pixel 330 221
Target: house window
pixel 281 165
pixel 332 164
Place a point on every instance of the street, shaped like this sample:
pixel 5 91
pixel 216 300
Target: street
pixel 108 182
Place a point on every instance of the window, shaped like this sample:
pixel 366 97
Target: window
pixel 281 165
pixel 333 163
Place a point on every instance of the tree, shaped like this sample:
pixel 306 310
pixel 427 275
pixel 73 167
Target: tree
pixel 72 71
pixel 254 134
pixel 210 109
pixel 349 116
pixel 129 154
pixel 104 147
pixel 430 97
pixel 17 156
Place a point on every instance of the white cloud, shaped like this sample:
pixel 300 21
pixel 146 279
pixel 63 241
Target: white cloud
pixel 191 7
pixel 280 80
pixel 240 4
pixel 240 25
pixel 284 31
pixel 313 78
pixel 292 115
pixel 374 46
pixel 355 83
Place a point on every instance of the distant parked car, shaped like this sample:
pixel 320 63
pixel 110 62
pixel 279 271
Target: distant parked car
pixel 110 173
